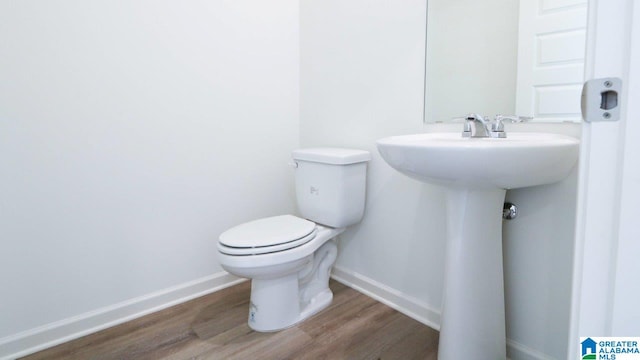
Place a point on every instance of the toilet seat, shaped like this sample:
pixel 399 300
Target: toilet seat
pixel 268 235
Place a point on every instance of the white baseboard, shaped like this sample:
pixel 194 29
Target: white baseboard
pixel 33 340
pixel 518 351
pixel 417 309
pixel 393 298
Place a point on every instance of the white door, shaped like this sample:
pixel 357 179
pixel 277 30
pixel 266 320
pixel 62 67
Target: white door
pixel 606 267
pixel 551 50
pixel 625 318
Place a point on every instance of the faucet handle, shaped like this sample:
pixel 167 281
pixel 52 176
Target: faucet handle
pixel 513 118
pixel 497 125
pixel 497 129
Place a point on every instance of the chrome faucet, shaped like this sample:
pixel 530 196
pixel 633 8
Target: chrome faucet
pixel 478 126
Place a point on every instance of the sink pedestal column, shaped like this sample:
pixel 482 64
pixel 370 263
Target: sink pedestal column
pixel 473 315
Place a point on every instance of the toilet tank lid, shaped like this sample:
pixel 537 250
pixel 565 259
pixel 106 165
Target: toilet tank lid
pixel 335 156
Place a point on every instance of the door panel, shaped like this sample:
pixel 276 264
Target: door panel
pixel 551 50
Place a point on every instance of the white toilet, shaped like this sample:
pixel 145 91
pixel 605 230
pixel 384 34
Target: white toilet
pixel 289 258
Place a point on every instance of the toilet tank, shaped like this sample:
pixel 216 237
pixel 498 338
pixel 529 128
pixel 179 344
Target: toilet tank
pixel 330 185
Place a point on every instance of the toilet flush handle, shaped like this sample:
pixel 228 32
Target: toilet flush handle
pixel 293 164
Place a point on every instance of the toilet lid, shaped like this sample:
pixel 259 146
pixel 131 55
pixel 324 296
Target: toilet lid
pixel 268 232
pixel 266 249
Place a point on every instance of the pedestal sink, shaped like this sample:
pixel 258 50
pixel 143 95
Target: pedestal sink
pixel 476 173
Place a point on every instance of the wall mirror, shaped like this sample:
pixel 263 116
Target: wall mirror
pixel 523 57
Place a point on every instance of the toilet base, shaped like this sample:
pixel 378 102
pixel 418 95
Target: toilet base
pixel 317 304
pixel 274 303
pixel 282 302
pixel 273 316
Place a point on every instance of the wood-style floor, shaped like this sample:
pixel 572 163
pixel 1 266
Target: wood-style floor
pixel 215 327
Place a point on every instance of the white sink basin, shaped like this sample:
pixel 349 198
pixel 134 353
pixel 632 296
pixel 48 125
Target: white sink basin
pixel 477 172
pixel 519 160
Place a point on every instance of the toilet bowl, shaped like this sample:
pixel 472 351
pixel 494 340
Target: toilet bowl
pixel 289 258
pixel 288 285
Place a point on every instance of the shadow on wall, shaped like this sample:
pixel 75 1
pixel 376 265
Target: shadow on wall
pixel 401 240
pixel 538 259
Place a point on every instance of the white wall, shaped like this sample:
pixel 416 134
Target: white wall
pixel 538 261
pixel 132 133
pixel 362 67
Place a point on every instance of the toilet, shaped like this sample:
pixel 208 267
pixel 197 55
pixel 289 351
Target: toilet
pixel 289 258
